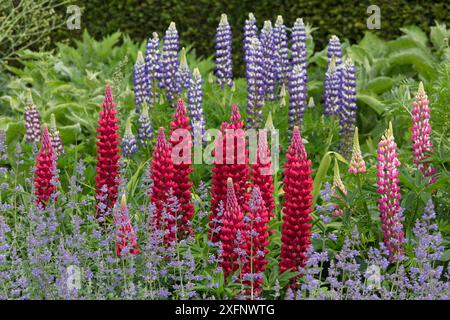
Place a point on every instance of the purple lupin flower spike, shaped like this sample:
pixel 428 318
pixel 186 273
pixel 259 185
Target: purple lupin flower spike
pixel 334 49
pixel 128 141
pixel 170 63
pixel 267 42
pixel 152 66
pixel 224 69
pixel 389 191
pixel 281 51
pixel 255 84
pixel 55 136
pixel 184 72
pixel 195 108
pixel 145 131
pixel 250 32
pixel 297 96
pixel 140 83
pixel 331 89
pixel 347 111
pixel 32 121
pixel 298 40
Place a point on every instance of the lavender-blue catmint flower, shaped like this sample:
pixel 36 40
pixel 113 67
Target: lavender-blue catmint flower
pixel 267 43
pixel 128 141
pixel 152 68
pixel 255 84
pixel 170 63
pixel 281 51
pixel 145 130
pixel 224 71
pixel 298 40
pixel 332 89
pixel 348 108
pixel 297 95
pixel 195 108
pixel 250 32
pixel 139 81
pixel 32 121
pixel 184 72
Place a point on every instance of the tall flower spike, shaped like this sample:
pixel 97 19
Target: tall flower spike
pixel 232 224
pixel 182 168
pixel 331 90
pixel 296 229
pixel 128 141
pixel 107 169
pixel 261 172
pixel 140 83
pixel 334 50
pixel 267 43
pixel 421 129
pixel 348 108
pixel 297 96
pixel 126 242
pixel 195 106
pixel 257 227
pixel 162 175
pixel 44 176
pixel 145 131
pixel 250 32
pixel 389 191
pixel 55 136
pixel 184 72
pixel 224 69
pixel 255 84
pixel 281 51
pixel 230 160
pixel 32 120
pixel 152 66
pixel 357 164
pixel 170 63
pixel 337 181
pixel 298 40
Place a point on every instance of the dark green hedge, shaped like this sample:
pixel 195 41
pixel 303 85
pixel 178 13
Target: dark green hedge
pixel 197 19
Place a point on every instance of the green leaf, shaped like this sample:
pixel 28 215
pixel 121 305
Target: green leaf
pixel 380 84
pixel 372 102
pixel 321 174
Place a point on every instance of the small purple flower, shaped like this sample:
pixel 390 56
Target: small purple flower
pixel 223 59
pixel 250 32
pixel 334 50
pixel 184 72
pixel 298 40
pixel 55 136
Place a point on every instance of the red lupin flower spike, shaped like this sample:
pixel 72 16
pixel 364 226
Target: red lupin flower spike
pixel 126 242
pixel 162 175
pixel 296 229
pixel 232 230
pixel 107 178
pixel 181 141
pixel 44 176
pixel 230 161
